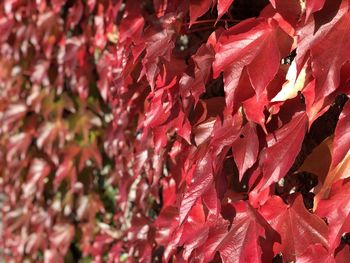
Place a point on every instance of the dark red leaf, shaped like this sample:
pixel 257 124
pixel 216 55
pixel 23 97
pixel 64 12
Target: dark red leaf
pixel 283 147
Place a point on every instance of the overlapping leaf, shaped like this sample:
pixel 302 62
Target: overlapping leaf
pixel 182 131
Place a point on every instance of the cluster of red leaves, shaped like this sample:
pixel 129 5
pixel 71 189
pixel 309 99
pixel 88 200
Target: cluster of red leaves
pixel 54 170
pixel 225 134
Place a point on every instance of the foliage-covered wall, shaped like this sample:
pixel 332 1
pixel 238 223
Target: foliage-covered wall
pixel 168 130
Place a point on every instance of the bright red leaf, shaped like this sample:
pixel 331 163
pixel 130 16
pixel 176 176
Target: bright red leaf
pixel 296 227
pixel 250 44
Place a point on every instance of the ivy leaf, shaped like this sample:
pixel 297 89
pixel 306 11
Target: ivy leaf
pixel 328 29
pixel 343 256
pixel 341 142
pixel 245 148
pixel 195 86
pixel 316 252
pixel 291 10
pixel 250 44
pixel 61 236
pixel 283 147
pixel 217 231
pixel 243 241
pixel 223 6
pixel 296 227
pixel 195 230
pixel 57 4
pixel 322 62
pixel 198 8
pixel 336 209
pixel 313 6
pixel 202 179
pixel 38 171
pixel 75 14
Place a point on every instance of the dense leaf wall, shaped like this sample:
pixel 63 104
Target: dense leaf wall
pixel 182 131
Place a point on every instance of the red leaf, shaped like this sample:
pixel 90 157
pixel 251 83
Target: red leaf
pixel 313 6
pixel 160 107
pixel 297 227
pixel 75 14
pixel 339 39
pixel 336 211
pixel 203 131
pixel 169 192
pixel 290 10
pixel 6 24
pixel 217 231
pixel 131 27
pixel 206 116
pixel 203 59
pixel 90 152
pixel 18 145
pixel 158 45
pixel 250 44
pixel 283 147
pixel 202 179
pixel 245 148
pixel 38 171
pixel 160 7
pixel 316 253
pixel 343 256
pixel 224 134
pixel 12 114
pixel 211 201
pixel 61 236
pixel 35 242
pixel 66 170
pixel 166 224
pixel 195 230
pixel 223 6
pixel 49 133
pixel 328 29
pixel 254 110
pixel 57 4
pixel 341 142
pixel 242 243
pixel 51 255
pixel 198 8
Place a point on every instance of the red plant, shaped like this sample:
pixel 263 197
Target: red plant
pixel 183 131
